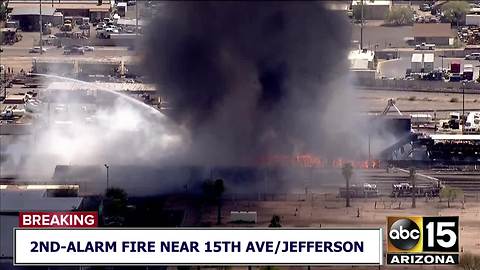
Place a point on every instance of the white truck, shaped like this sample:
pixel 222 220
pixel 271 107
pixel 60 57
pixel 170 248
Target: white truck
pixel 425 46
pixel 472 124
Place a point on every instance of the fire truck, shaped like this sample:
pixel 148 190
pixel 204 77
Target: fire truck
pixel 421 190
pixel 365 191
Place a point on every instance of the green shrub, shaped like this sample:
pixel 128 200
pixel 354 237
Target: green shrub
pixel 400 15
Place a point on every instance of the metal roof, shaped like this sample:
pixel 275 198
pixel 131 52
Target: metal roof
pixel 132 22
pixel 32 10
pixel 428 57
pixel 432 30
pixel 416 58
pixel 63 5
pixel 15 200
pixel 360 59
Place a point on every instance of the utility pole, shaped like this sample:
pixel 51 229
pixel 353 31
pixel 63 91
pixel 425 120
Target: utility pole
pixel 369 150
pixel 4 83
pixel 414 186
pixel 107 167
pixel 41 29
pixel 136 18
pixel 463 107
pixel 361 25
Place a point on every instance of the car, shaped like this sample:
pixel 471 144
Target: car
pixel 88 48
pixel 74 50
pixel 100 26
pixel 37 50
pixel 84 26
pixel 111 30
pixel 425 46
pixel 425 7
pixel 472 56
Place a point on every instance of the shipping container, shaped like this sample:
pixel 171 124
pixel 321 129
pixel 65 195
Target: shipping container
pixel 468 72
pixel 243 216
pixel 416 63
pixel 472 19
pixel 455 67
pixel 428 62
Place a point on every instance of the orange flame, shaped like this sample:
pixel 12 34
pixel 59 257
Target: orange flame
pixel 312 161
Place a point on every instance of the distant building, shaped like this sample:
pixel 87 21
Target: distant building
pixel 417 63
pixel 362 59
pixel 28 16
pixel 422 63
pixel 472 19
pixel 428 62
pixel 436 33
pixel 74 8
pixel 362 64
pixel 15 199
pixel 372 9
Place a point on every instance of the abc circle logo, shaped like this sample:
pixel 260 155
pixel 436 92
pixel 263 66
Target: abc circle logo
pixel 404 234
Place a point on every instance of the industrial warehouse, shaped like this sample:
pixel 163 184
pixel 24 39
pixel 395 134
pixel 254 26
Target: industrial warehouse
pixel 170 114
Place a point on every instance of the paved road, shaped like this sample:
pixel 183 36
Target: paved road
pixel 53 51
pixel 19 58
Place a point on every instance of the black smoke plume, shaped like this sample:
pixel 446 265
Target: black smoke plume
pixel 249 79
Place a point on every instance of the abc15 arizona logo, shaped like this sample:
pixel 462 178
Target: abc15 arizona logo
pixel 422 240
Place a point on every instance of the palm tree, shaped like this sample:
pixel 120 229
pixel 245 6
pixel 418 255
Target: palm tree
pixel 347 171
pixel 275 222
pixel 414 187
pixel 219 188
pixel 213 191
pixel 114 206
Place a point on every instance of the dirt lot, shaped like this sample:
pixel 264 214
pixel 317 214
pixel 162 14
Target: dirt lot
pixel 325 210
pixel 409 101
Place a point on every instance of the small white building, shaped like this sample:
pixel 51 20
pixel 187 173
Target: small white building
pixel 15 199
pixel 416 64
pixel 122 8
pixel 428 62
pixel 362 64
pixel 362 59
pixel 422 63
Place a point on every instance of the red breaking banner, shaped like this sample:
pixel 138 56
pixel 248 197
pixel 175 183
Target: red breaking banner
pixel 58 219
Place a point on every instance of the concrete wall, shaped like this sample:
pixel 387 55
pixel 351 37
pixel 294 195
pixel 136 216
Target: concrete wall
pixel 98 41
pixel 360 75
pixel 7 223
pixel 94 68
pixel 57 68
pixel 419 85
pixel 451 53
pixel 444 41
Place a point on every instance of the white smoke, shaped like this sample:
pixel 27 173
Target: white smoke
pixel 74 133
